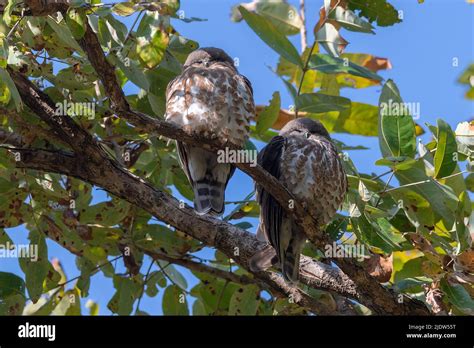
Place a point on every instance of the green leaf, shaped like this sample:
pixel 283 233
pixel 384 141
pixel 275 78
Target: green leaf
pixel 458 296
pixel 159 238
pixel 107 213
pixel 333 65
pixel 463 237
pixel 4 51
pixel 7 11
pixel 199 308
pixel 154 280
pixel 128 290
pixel 244 225
pixel 12 305
pixel 180 47
pixel 131 70
pixel 376 10
pixel 116 29
pixel 5 78
pixel 215 293
pixel 171 272
pixel 245 301
pixel 444 158
pixel 271 36
pixel 328 37
pixel 350 21
pixel 360 118
pixel 69 305
pixel 124 9
pixel 412 284
pixel 375 233
pixel 63 33
pixel 466 79
pixel 442 199
pixel 11 284
pixel 401 162
pixel 151 52
pixel 270 113
pixel 470 182
pixel 396 127
pixel 93 307
pixel 318 103
pixel 283 16
pixel 174 301
pixel 35 268
pixel 76 21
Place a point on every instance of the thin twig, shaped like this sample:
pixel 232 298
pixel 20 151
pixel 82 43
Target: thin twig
pixel 383 174
pixel 144 283
pixel 303 31
pixel 81 275
pixel 306 64
pixel 13 29
pixel 384 189
pixel 305 69
pixel 129 34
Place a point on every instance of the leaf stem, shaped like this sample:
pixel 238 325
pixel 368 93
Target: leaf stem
pixel 144 283
pixel 81 275
pixel 385 188
pixel 305 69
pixel 380 175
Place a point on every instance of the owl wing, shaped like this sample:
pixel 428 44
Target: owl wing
pixel 271 212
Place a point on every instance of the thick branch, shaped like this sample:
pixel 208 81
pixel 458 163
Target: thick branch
pixel 210 231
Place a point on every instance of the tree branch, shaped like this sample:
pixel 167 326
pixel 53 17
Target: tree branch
pixel 104 172
pixel 210 231
pixel 371 288
pixel 303 32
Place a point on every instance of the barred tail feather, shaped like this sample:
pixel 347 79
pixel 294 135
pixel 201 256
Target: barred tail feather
pixel 202 203
pixel 216 196
pixel 209 197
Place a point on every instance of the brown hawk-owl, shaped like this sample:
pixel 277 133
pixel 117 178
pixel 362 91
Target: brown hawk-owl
pixel 305 160
pixel 210 98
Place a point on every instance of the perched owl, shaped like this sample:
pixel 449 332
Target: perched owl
pixel 304 159
pixel 210 98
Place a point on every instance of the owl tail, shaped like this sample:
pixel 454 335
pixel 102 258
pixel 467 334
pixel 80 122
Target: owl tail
pixel 263 259
pixel 209 197
pixel 290 260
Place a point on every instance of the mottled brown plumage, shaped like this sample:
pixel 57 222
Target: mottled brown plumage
pixel 211 99
pixel 306 162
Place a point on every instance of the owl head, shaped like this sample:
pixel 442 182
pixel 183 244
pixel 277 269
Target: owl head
pixel 206 56
pixel 304 127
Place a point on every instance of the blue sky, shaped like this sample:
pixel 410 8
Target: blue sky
pixel 421 49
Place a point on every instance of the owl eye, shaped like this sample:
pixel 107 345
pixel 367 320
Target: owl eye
pixel 307 134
